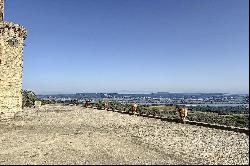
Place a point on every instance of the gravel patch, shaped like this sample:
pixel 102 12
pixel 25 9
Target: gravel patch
pixel 75 135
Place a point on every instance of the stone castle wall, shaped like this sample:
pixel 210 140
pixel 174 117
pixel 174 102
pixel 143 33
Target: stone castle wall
pixel 12 38
pixel 1 10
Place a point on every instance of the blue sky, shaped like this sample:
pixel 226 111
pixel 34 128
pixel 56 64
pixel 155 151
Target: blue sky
pixel 134 45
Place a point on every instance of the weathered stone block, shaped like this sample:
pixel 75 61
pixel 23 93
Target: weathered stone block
pixel 38 104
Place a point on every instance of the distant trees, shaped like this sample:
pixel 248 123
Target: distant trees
pixel 52 101
pixel 236 120
pixel 225 110
pixel 29 98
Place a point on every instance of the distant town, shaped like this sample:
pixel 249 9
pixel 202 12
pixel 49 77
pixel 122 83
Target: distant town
pixel 159 98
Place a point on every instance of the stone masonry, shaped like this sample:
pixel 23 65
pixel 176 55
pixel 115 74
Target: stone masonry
pixel 12 38
pixel 1 10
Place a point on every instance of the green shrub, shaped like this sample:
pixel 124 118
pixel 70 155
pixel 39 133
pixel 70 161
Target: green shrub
pixel 28 98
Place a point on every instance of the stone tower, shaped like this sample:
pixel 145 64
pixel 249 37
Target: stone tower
pixel 12 38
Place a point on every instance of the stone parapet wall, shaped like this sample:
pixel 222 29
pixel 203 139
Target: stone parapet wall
pixel 12 38
pixel 11 29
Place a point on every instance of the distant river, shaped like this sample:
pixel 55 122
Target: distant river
pixel 211 105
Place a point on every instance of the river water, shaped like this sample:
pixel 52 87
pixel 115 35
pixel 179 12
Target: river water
pixel 211 105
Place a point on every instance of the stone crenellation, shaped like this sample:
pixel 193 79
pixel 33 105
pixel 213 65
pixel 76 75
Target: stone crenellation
pixel 12 38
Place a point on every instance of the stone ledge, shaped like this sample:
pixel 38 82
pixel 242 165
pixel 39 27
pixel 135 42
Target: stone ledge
pixel 221 127
pixel 216 126
pixel 157 117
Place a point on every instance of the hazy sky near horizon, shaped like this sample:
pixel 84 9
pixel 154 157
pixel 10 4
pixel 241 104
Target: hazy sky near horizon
pixel 134 45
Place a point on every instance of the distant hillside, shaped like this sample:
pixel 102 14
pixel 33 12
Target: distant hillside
pixel 152 95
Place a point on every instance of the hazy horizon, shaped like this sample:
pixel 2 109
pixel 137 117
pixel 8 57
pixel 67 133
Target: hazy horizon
pixel 134 45
pixel 138 92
